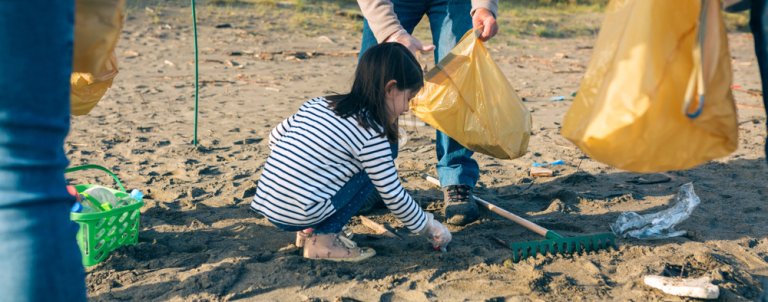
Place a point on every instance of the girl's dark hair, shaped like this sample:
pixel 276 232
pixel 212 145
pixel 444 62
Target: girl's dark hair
pixel 366 101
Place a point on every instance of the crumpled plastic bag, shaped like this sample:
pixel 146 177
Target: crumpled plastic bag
pixel 661 224
pixel 467 97
pixel 97 29
pixel 656 95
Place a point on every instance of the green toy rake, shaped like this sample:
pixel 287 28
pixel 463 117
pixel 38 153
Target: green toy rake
pixel 554 242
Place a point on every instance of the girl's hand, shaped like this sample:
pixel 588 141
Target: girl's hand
pixel 436 233
pixel 484 20
pixel 413 44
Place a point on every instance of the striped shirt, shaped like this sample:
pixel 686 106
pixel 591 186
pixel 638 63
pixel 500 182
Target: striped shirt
pixel 314 153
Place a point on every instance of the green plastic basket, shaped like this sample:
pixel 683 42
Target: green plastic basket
pixel 102 232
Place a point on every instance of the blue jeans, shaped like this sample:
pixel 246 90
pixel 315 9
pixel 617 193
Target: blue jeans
pixel 758 22
pixel 449 21
pixel 39 257
pixel 347 203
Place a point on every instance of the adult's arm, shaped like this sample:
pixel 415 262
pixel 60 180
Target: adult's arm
pixel 490 5
pixel 383 20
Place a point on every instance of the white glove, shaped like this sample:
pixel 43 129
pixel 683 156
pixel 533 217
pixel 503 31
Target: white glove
pixel 436 233
pixel 413 44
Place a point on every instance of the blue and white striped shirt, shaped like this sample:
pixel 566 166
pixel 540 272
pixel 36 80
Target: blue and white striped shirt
pixel 314 153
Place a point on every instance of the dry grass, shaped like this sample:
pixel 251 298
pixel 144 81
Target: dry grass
pixel 540 18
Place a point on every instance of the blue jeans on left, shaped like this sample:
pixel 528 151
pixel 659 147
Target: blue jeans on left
pixel 449 21
pixel 347 202
pixel 39 257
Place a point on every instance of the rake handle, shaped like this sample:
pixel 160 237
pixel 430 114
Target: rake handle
pixel 517 219
pixel 503 213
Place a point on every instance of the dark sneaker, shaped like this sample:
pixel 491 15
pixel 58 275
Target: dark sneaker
pixel 371 203
pixel 460 208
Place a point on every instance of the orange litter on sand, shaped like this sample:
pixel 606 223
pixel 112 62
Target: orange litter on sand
pixel 541 172
pixel 752 92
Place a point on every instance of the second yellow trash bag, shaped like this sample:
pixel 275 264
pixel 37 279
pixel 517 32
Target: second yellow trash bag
pixel 467 97
pixel 656 95
pixel 94 66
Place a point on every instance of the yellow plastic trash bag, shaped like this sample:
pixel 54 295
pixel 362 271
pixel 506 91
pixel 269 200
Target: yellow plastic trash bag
pixel 97 30
pixel 656 95
pixel 467 97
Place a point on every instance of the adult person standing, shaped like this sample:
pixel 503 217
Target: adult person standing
pixel 394 21
pixel 39 257
pixel 758 23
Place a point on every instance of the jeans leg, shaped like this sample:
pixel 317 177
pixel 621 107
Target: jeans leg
pixel 39 258
pixel 758 22
pixel 368 197
pixel 369 40
pixel 409 13
pixel 450 20
pixel 347 203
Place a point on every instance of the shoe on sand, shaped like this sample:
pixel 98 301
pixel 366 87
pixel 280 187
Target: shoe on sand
pixel 460 208
pixel 334 247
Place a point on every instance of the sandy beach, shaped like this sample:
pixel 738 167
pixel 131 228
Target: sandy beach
pixel 198 240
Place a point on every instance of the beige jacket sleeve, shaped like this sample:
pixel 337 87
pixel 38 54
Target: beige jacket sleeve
pixel 383 21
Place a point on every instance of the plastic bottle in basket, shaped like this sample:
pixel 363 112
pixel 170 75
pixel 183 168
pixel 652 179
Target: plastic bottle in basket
pixel 137 195
pixel 104 196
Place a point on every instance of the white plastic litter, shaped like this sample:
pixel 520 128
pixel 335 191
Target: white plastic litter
pixel 658 225
pixel 402 138
pixel 700 288
pixel 103 195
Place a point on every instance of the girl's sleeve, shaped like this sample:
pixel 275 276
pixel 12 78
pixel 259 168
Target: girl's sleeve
pixel 376 159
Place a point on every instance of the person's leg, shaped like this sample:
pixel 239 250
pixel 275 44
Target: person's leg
pixel 347 203
pixel 368 41
pixel 458 171
pixel 409 13
pixel 325 241
pixel 39 257
pixel 759 24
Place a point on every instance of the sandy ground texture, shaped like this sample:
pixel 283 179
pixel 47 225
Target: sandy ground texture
pixel 199 241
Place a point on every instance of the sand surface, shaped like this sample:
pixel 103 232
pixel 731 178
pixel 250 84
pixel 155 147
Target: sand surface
pixel 199 241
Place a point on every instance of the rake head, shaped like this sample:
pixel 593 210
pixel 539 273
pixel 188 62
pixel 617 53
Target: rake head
pixel 563 245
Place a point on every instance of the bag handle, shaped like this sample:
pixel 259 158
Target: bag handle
pixel 97 167
pixel 709 8
pixel 695 89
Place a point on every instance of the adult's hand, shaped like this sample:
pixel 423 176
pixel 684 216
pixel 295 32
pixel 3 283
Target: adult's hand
pixel 413 44
pixel 484 19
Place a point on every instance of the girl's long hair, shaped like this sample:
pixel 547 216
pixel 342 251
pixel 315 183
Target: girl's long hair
pixel 366 101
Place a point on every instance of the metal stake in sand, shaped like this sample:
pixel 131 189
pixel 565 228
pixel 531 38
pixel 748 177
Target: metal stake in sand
pixel 194 29
pixel 554 242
